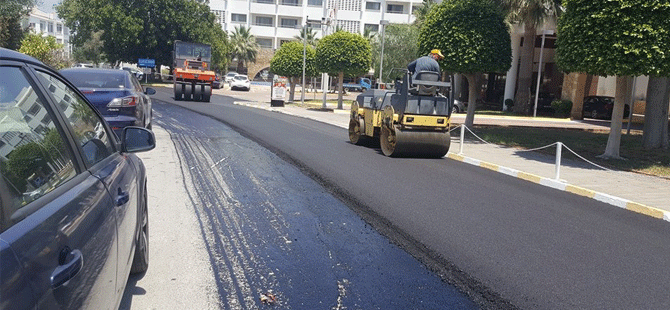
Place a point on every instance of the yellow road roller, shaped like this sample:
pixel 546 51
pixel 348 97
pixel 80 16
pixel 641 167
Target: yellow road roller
pixel 411 121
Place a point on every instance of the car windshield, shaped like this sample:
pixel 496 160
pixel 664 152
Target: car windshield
pixel 97 79
pixel 240 77
pixel 231 74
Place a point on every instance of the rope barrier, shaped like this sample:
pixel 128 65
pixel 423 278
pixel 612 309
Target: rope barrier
pixel 559 145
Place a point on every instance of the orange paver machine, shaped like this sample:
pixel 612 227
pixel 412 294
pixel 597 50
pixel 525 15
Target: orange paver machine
pixel 192 72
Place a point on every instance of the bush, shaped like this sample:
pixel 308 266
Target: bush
pixel 562 107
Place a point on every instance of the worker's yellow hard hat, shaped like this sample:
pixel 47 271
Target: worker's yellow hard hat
pixel 437 52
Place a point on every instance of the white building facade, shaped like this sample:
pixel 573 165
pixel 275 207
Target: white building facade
pixel 274 22
pixel 48 24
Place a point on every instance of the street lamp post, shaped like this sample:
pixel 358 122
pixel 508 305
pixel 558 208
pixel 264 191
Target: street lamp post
pixel 383 23
pixel 304 56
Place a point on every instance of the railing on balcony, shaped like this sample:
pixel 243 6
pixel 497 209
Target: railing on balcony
pixel 290 2
pixel 264 1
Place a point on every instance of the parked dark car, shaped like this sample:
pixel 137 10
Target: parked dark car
pixel 117 94
pixel 73 200
pixel 601 107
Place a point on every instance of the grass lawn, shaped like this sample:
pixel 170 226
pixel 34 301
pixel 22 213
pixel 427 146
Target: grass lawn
pixel 585 143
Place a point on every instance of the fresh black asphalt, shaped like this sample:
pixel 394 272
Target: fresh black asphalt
pixel 507 242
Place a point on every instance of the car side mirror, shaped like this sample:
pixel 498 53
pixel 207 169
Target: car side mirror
pixel 150 91
pixel 137 139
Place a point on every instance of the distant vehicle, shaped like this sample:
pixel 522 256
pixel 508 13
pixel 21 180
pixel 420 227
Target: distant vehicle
pixel 601 107
pixel 459 106
pixel 193 75
pixel 137 73
pixel 74 220
pixel 363 85
pixel 116 94
pixel 240 81
pixel 82 65
pixel 229 76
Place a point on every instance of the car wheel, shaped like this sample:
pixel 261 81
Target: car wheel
pixel 454 109
pixel 141 258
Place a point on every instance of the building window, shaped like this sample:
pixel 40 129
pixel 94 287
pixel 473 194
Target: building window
pixel 34 109
pixel 315 2
pixel 371 27
pixel 51 27
pixel 43 26
pixel 281 42
pixel 289 23
pixel 238 18
pixel 264 21
pixel 394 8
pixel 59 28
pixel 372 6
pixel 290 2
pixel 264 42
pixel 265 1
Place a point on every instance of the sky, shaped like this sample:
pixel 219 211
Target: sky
pixel 47 5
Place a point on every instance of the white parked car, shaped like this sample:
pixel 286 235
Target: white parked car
pixel 240 81
pixel 229 76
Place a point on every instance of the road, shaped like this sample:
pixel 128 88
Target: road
pixel 503 241
pixel 231 221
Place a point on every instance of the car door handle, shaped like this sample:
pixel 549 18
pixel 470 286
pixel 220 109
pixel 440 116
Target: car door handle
pixel 122 197
pixel 68 270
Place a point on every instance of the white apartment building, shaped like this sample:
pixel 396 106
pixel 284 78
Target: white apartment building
pixel 273 22
pixel 48 24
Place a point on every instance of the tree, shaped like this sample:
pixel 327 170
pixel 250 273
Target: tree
pixel 92 49
pixel 625 38
pixel 11 12
pixel 474 39
pixel 244 46
pixel 343 53
pixel 532 14
pixel 400 48
pixel 44 49
pixel 287 61
pixel 655 134
pixel 309 34
pixel 143 29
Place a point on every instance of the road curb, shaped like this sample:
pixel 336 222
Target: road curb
pixel 602 197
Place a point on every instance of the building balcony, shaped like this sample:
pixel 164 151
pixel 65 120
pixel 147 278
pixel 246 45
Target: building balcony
pixel 262 8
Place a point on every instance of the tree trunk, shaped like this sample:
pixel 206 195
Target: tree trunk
pixel 340 81
pixel 574 89
pixel 656 113
pixel 474 85
pixel 622 94
pixel 240 66
pixel 291 94
pixel 522 99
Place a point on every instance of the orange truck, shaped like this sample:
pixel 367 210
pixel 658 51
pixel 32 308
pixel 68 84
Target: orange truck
pixel 193 77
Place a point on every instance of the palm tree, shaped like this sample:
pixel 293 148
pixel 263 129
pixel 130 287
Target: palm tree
pixel 308 34
pixel 421 11
pixel 369 34
pixel 244 46
pixel 532 13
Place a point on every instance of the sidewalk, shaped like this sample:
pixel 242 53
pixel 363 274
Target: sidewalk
pixel 636 192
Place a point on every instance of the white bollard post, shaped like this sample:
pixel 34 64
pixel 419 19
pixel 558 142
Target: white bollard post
pixel 559 147
pixel 462 138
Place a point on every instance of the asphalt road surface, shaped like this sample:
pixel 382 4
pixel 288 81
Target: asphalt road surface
pixel 263 229
pixel 503 241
